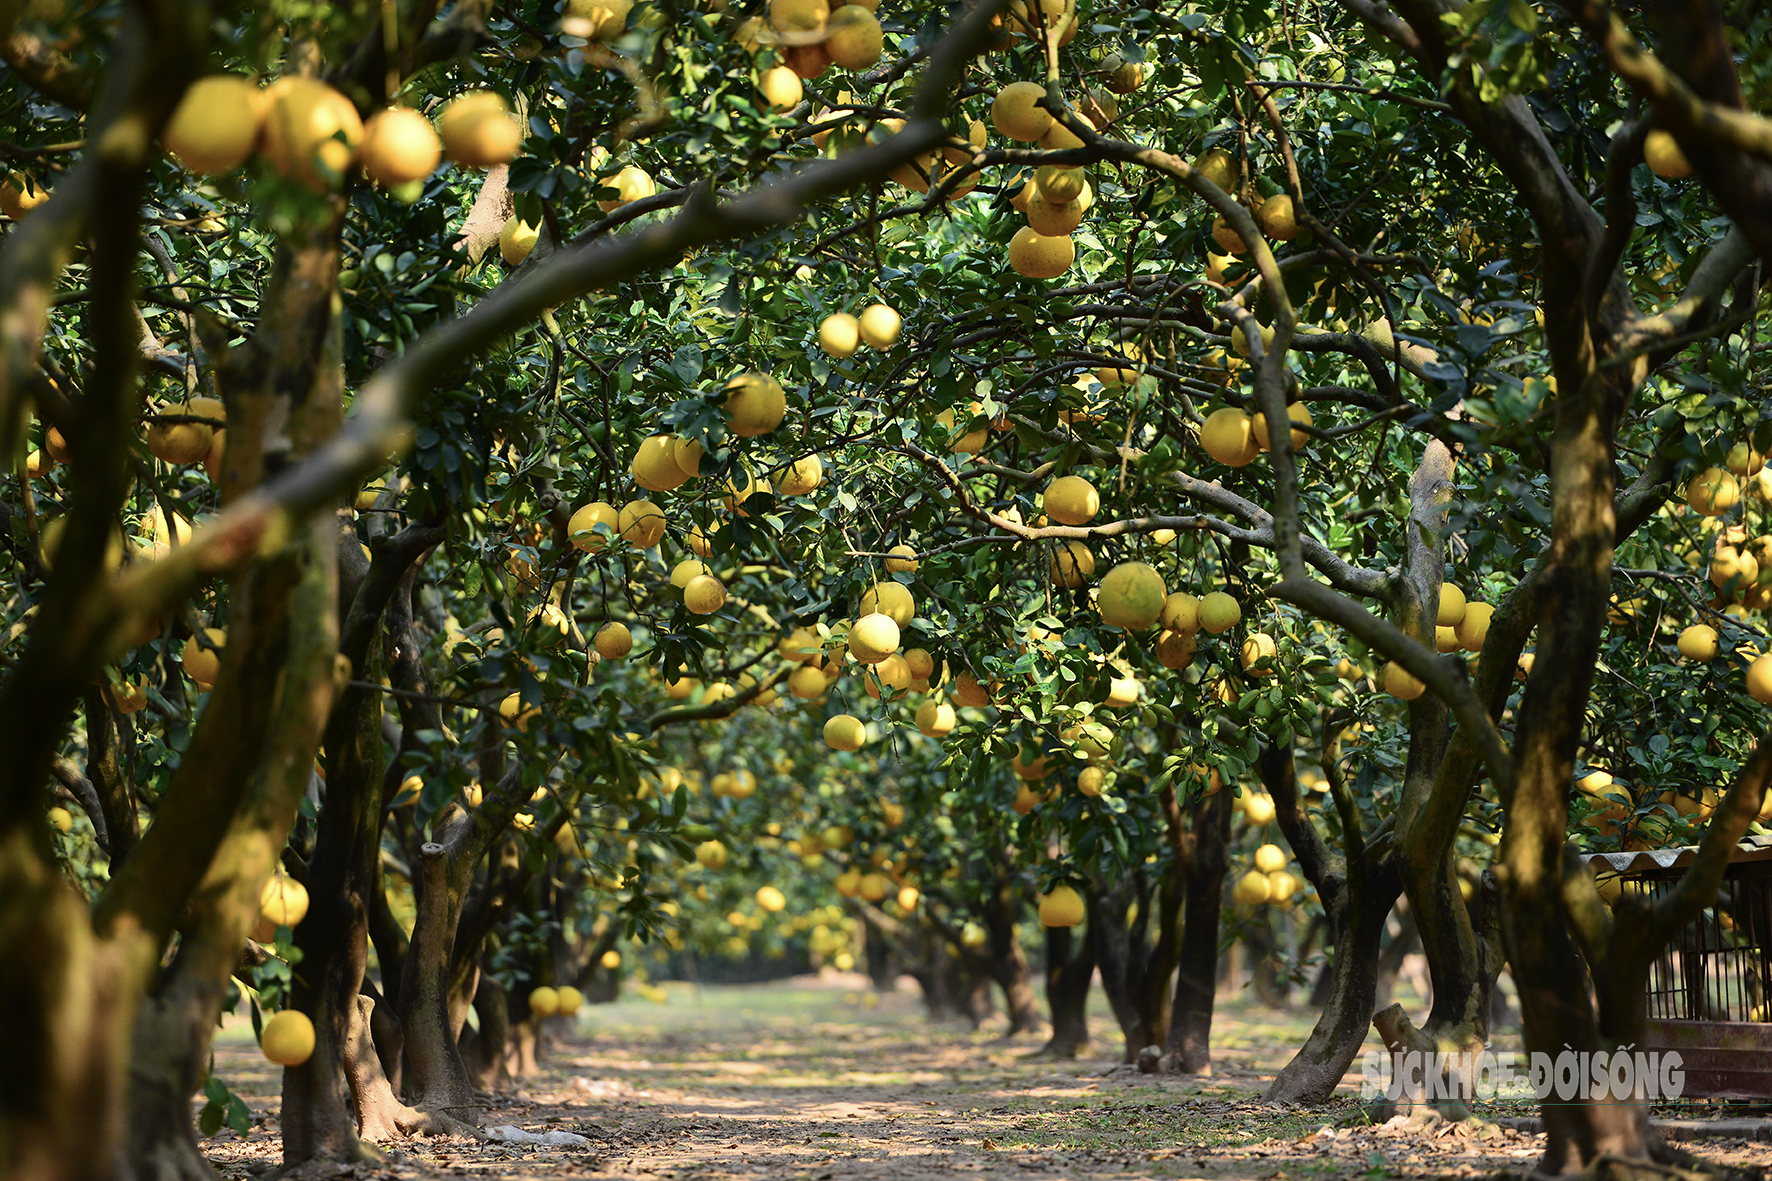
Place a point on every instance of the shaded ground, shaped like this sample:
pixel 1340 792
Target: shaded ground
pixel 812 1081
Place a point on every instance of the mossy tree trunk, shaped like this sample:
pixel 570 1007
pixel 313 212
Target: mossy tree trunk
pixel 1188 1047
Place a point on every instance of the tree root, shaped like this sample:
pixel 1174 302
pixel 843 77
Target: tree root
pixel 1665 1162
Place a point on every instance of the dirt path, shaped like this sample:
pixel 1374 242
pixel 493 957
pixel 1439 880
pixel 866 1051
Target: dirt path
pixel 803 1082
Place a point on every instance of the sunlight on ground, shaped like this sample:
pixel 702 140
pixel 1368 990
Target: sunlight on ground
pixel 827 1080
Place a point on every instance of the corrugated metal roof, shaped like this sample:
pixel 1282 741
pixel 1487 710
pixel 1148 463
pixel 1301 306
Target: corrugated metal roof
pixel 1751 848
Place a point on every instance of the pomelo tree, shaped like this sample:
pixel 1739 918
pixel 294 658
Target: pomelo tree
pixel 898 374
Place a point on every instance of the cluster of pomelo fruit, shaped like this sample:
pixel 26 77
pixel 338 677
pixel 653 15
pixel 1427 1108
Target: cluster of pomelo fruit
pixel 1269 882
pixel 811 36
pixel 1458 624
pixel 1739 564
pixel 1055 197
pixel 312 134
pixel 629 183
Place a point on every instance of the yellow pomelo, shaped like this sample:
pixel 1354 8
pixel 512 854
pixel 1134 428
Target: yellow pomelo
pixel 202 664
pixel 1252 889
pixel 902 559
pixel 966 442
pixel 642 523
pixel 283 902
pixel 1713 492
pixel 1034 255
pixel 969 693
pixel 216 124
pixel 1219 167
pixel 1744 460
pixel 879 324
pixel 1122 692
pixel 800 646
pixel 781 88
pixel 1175 650
pixel 800 477
pixel 516 240
pixel 1452 605
pixel 1699 642
pixel 568 999
pixel 1400 682
pixel 582 532
pixel 179 443
pixel 311 132
pixel 845 732
pixel 655 467
pixel 755 404
pixel 1059 138
pixel 798 16
pixel 598 20
pixel 544 1002
pixel 704 594
pixel 892 673
pixel 1228 436
pixel 1131 596
pixel 1125 77
pixel 839 335
pixel 478 130
pixel 687 453
pixel 1258 808
pixel 935 718
pixel 1227 237
pixel 1297 412
pixel 1059 186
pixel 1181 613
pixel 873 638
pixel 613 641
pixel 630 184
pixel 1071 500
pixel 1661 151
pixel 1061 908
pixel 19 194
pixel 1240 339
pixel 1072 564
pixel 891 599
pixel 1053 221
pixel 1278 219
pixel 288 1038
pixel 853 38
pixel 686 571
pixel 1258 652
pixel 808 682
pixel 1759 680
pixel 1473 629
pixel 399 147
pixel 711 855
pixel 1270 859
pixel 1219 612
pixel 1014 114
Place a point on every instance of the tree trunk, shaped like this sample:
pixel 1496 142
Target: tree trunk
pixel 318 1120
pixel 485 1054
pixel 1070 966
pixel 1115 947
pixel 175 1024
pixel 1188 1047
pixel 436 1073
pixel 1312 1075
pixel 70 999
pixel 1008 966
